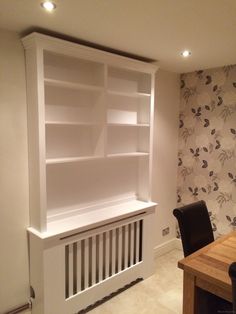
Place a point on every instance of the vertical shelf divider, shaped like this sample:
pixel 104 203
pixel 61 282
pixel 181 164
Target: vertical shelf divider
pixel 151 133
pixel 105 110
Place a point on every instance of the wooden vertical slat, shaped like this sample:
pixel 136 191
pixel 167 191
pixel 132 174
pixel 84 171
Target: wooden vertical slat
pixel 137 241
pixel 113 256
pixel 79 266
pixel 70 265
pixel 119 257
pixel 107 258
pixel 86 263
pixel 93 260
pixel 126 251
pixel 100 262
pixel 131 244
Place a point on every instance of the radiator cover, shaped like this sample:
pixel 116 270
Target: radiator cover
pixel 69 273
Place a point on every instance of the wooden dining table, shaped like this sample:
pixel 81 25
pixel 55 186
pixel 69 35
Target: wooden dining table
pixel 207 269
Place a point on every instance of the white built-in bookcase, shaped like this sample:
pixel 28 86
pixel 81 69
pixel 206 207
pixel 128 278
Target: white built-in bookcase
pixel 90 121
pixel 90 126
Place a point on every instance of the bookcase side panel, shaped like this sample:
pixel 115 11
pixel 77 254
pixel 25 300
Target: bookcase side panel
pixel 36 138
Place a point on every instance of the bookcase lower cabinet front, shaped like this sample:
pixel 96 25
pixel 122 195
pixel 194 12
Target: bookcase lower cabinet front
pixel 69 273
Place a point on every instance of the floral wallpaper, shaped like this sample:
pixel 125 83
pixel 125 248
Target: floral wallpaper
pixel 207 144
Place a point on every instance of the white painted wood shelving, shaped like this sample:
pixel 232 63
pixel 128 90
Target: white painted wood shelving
pixel 90 121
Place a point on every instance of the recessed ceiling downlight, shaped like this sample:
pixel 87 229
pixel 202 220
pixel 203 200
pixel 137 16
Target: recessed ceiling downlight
pixel 48 6
pixel 186 53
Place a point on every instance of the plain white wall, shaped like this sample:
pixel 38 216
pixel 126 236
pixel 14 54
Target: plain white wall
pixel 166 122
pixel 14 208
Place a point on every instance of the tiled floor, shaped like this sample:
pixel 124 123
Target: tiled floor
pixel 159 294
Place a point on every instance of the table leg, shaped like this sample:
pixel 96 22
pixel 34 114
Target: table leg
pixel 189 294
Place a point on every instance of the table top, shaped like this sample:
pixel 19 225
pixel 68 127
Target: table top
pixel 211 263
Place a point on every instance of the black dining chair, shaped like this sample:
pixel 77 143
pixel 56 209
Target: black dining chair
pixel 195 226
pixel 232 274
pixel 196 232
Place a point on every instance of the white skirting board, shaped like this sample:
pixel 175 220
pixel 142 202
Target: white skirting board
pixel 167 247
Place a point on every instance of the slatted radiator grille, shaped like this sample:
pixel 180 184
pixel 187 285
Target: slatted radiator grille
pixel 91 260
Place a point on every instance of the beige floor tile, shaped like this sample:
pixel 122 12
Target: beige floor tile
pixel 159 294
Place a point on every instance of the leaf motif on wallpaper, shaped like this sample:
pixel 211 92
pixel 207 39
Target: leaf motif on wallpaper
pixel 232 221
pixel 188 92
pixel 186 172
pixel 211 147
pixel 217 135
pixel 180 162
pixel 218 91
pixel 204 164
pixel 215 87
pixel 197 113
pixel 214 228
pixel 226 112
pixel 200 74
pixel 194 191
pixel 233 131
pixel 225 155
pixel 234 84
pixel 181 124
pixel 217 145
pixel 213 176
pixel 195 153
pixel 211 106
pixel 232 177
pixel 178 198
pixel 182 84
pixel 216 187
pixel 208 79
pixel 227 69
pixel 207 123
pixel 206 189
pixel 223 198
pixel 210 188
pixel 187 132
pixel 220 101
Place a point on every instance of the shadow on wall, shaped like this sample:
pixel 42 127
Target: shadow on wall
pixel 207 144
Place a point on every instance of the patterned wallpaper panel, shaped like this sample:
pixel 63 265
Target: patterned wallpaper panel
pixel 207 144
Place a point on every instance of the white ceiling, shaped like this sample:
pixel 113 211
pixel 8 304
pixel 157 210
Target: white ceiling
pixel 156 29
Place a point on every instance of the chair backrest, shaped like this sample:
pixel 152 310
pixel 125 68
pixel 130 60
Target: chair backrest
pixel 232 274
pixel 195 226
